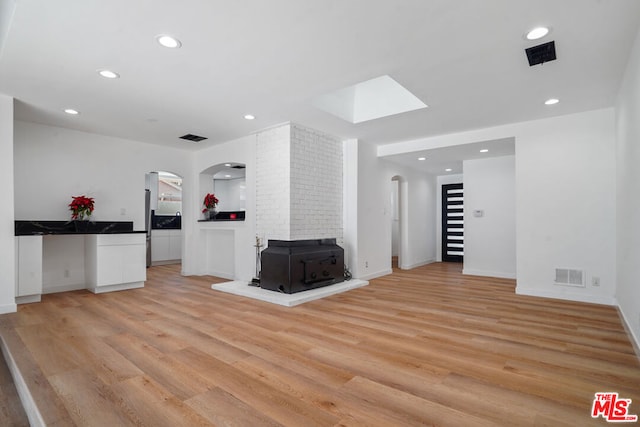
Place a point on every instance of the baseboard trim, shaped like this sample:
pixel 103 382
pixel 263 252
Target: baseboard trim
pixel 29 299
pixel 375 275
pixel 118 287
pixel 589 298
pixel 166 262
pixel 8 308
pixel 498 274
pixel 63 288
pixel 219 274
pixel 635 342
pixel 419 264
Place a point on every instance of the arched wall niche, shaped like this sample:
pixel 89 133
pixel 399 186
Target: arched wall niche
pixel 227 181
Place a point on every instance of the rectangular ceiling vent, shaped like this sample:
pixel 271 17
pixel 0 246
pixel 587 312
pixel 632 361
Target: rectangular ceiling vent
pixel 238 167
pixel 193 138
pixel 569 277
pixel 542 53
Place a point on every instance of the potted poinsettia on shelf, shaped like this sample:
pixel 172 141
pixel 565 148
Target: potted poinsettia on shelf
pixel 81 207
pixel 210 201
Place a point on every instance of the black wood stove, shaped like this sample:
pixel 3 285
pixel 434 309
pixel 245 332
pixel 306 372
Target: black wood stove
pixel 299 265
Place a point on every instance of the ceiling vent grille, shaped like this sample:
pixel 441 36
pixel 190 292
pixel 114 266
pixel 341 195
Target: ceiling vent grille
pixel 238 167
pixel 569 277
pixel 542 53
pixel 193 138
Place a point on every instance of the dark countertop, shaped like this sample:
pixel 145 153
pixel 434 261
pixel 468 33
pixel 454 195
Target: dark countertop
pixel 221 220
pixel 31 228
pixel 166 222
pixel 226 216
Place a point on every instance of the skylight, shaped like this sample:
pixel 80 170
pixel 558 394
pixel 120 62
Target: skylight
pixel 369 100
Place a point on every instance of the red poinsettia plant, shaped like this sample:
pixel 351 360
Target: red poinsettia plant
pixel 81 206
pixel 210 202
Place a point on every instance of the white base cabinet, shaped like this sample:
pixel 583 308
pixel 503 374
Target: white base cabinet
pixel 166 245
pixel 115 262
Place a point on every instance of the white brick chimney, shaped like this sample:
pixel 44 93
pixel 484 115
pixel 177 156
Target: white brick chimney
pixel 298 184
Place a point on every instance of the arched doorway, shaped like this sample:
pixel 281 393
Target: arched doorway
pixel 163 217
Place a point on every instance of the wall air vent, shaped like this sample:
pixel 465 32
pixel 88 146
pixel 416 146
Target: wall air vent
pixel 568 277
pixel 542 53
pixel 193 138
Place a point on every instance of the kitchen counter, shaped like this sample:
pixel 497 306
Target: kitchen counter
pixel 36 228
pixel 166 222
pixel 57 260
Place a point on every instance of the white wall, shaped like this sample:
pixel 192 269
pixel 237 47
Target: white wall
pixel 395 217
pixel 63 266
pixel 231 194
pixel 224 249
pixel 490 240
pixel 417 213
pixel 7 245
pixel 565 199
pixel 440 181
pixel 565 183
pixel 374 234
pixel 53 164
pixel 417 217
pixel 628 191
pixel 350 199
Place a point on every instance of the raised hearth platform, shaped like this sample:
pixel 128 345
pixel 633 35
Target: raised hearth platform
pixel 241 288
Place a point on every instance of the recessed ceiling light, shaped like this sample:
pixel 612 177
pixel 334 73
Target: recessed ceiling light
pixel 422 158
pixel 551 101
pixel 249 116
pixel 537 33
pixel 108 74
pixel 227 176
pixel 228 165
pixel 484 150
pixel 168 41
pixel 72 111
pixel 448 170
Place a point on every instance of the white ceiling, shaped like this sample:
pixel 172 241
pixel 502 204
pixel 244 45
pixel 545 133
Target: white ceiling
pixel 438 160
pixel 463 58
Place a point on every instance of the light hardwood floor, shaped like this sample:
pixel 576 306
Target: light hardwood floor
pixel 427 346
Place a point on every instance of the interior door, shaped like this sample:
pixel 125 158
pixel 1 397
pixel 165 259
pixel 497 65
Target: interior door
pixel 452 223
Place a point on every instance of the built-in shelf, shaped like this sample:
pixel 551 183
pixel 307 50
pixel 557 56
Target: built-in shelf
pixel 221 220
pixel 226 216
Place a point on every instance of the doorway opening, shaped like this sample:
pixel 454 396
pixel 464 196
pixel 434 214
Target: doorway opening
pixel 396 222
pixel 163 215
